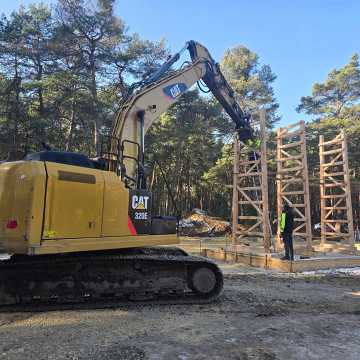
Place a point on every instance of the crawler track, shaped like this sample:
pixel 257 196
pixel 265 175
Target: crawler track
pixel 107 279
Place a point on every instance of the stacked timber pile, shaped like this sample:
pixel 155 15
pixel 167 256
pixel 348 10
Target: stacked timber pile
pixel 198 223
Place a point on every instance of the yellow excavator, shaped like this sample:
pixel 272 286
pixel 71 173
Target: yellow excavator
pixel 81 229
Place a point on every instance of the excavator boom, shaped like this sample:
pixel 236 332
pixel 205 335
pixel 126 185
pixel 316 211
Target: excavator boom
pixel 157 93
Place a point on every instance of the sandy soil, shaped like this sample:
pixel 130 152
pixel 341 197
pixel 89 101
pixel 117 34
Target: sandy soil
pixel 260 315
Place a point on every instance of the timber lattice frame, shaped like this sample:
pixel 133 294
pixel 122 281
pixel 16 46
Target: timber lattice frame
pixel 293 180
pixel 250 189
pixel 335 190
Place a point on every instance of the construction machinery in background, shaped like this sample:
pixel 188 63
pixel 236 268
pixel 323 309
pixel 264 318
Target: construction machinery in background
pixel 81 229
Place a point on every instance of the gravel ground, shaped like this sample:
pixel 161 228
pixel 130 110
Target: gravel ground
pixel 260 315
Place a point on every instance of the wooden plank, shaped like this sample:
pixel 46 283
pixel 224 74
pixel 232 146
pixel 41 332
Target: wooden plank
pixel 264 184
pixel 336 140
pixel 235 203
pixel 249 217
pixel 337 234
pixel 335 208
pixel 288 134
pixel 337 163
pixel 351 239
pixel 287 128
pixel 267 261
pixel 340 221
pixel 333 196
pixel 246 202
pixel 332 185
pixel 287 170
pixel 249 174
pixel 290 157
pixel 322 191
pixel 331 152
pixel 291 145
pixel 293 193
pixel 248 188
pixel 279 151
pixel 340 173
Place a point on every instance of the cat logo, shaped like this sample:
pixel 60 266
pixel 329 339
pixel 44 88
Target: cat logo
pixel 139 202
pixel 174 90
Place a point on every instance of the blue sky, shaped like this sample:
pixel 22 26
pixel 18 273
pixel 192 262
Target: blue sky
pixel 301 40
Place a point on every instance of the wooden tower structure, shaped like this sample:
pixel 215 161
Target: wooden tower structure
pixel 293 180
pixel 250 210
pixel 335 191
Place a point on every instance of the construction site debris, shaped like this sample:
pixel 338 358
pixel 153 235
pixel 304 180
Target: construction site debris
pixel 198 223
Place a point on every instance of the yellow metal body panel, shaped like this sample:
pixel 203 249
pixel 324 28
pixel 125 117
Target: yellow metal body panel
pixel 22 194
pixel 103 243
pixel 74 202
pixel 63 208
pixel 116 200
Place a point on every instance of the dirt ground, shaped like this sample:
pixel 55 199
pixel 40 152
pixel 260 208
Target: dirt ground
pixel 260 315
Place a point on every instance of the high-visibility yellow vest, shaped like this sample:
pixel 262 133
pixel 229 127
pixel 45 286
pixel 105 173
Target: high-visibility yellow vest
pixel 282 222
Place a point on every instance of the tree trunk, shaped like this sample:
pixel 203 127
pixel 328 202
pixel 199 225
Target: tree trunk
pixel 72 126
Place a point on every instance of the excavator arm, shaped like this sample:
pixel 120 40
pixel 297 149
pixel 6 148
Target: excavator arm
pixel 156 94
pixel 217 84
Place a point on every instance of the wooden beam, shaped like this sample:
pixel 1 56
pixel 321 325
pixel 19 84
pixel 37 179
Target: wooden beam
pixel 293 193
pixel 340 173
pixel 235 204
pixel 287 170
pixel 248 188
pixel 290 158
pixel 264 183
pixel 249 174
pixel 291 133
pixel 245 202
pixel 337 184
pixel 337 163
pixel 332 142
pixel 279 178
pixel 291 145
pixel 342 221
pixel 285 129
pixel 292 181
pixel 331 152
pixel 336 196
pixel 335 208
pixel 351 239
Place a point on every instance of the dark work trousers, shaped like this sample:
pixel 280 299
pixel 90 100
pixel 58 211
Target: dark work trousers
pixel 288 244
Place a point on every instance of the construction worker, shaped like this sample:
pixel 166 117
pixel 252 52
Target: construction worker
pixel 286 229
